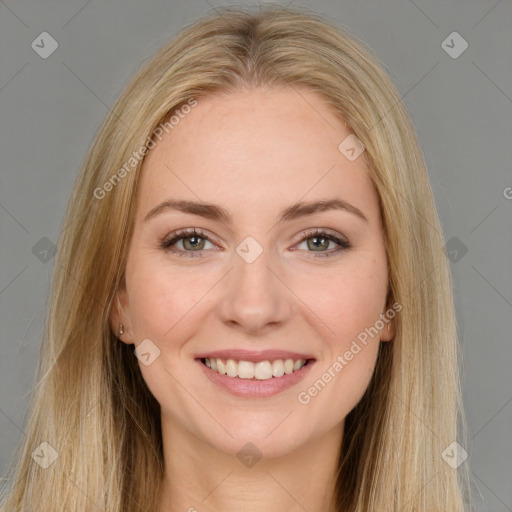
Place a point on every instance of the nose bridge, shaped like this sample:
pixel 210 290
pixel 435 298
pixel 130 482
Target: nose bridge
pixel 254 296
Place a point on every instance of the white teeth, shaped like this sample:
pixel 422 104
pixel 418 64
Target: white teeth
pixel 297 365
pixel 288 366
pixel 278 368
pixel 246 370
pixel 221 367
pixel 262 370
pixel 231 368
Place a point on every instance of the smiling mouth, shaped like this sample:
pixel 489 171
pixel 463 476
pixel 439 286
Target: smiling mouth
pixel 261 370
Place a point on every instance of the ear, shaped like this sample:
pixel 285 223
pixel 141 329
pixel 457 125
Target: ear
pixel 119 315
pixel 388 332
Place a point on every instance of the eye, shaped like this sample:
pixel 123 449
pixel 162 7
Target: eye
pixel 193 241
pixel 320 239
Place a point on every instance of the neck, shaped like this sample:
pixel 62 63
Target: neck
pixel 200 478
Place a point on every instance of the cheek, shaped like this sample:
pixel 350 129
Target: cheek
pixel 164 305
pixel 161 300
pixel 347 305
pixel 346 301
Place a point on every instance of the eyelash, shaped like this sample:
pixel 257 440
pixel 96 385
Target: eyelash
pixel 176 236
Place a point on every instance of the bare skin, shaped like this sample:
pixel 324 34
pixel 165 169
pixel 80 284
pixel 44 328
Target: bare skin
pixel 254 153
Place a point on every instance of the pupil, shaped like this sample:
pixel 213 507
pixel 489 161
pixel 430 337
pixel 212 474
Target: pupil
pixel 193 241
pixel 316 238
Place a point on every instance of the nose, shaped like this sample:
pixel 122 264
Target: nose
pixel 255 298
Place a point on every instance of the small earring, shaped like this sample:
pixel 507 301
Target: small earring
pixel 121 330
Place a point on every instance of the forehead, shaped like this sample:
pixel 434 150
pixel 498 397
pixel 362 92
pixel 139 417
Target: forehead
pixel 255 149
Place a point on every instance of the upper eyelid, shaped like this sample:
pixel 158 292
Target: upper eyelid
pixel 188 232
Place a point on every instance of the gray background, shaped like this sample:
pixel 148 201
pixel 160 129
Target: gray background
pixel 461 108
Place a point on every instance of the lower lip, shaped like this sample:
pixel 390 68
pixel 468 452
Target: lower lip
pixel 256 388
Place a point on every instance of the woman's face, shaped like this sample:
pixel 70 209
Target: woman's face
pixel 256 284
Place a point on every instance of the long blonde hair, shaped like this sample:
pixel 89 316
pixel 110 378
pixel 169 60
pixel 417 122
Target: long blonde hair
pixel 90 403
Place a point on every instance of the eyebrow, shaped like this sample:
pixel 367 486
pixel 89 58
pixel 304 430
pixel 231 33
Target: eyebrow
pixel 215 212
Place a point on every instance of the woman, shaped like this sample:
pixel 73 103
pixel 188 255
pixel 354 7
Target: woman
pixel 200 354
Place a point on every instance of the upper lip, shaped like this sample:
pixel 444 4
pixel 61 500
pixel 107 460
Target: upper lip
pixel 253 355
